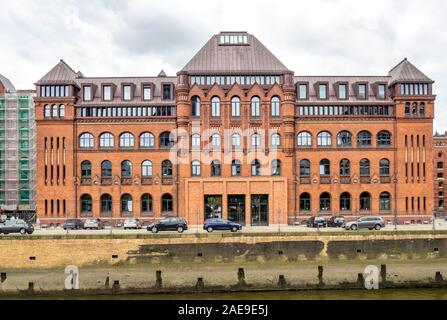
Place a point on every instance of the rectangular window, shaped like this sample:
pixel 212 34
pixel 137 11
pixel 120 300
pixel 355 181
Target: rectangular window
pixel 342 92
pixel 167 92
pixel 381 91
pixel 362 91
pixel 107 93
pixel 87 93
pixel 147 92
pixel 127 92
pixel 322 92
pixel 302 91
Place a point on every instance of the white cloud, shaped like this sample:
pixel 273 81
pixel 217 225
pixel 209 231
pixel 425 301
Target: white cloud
pixel 140 37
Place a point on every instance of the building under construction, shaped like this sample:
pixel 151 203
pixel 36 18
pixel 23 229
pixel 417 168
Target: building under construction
pixel 17 151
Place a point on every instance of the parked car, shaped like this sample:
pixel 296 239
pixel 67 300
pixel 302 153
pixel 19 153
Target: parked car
pixel 317 222
pixel 219 224
pixel 72 224
pixel 132 223
pixel 169 224
pixel 369 222
pixel 336 221
pixel 16 226
pixel 93 223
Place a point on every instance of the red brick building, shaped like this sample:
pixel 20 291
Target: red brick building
pixel 439 173
pixel 235 134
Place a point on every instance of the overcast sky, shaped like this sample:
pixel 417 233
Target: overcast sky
pixel 141 37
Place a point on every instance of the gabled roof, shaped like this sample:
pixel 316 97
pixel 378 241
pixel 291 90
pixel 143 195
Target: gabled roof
pixel 405 71
pixel 9 87
pixel 61 73
pixel 251 57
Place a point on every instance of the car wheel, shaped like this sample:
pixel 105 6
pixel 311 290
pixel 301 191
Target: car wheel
pixel 22 231
pixel 209 229
pixel 354 227
pixel 154 229
pixel 234 229
pixel 377 227
pixel 180 229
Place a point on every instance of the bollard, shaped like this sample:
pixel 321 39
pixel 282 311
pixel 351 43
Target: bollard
pixel 107 283
pixel 3 277
pixel 282 281
pixel 360 280
pixel 200 285
pixel 383 273
pixel 320 276
pixel 158 281
pixel 30 287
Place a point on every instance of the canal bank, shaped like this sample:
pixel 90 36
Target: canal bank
pixel 220 263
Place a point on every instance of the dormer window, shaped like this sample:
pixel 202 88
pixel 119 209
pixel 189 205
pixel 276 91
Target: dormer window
pixel 147 92
pixel 381 91
pixel 322 91
pixel 302 91
pixel 107 93
pixel 362 91
pixel 233 39
pixel 167 92
pixel 127 92
pixel 342 91
pixel 87 93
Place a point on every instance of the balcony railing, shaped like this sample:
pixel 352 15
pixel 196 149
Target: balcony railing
pixel 345 180
pixel 86 181
pixel 385 179
pixel 126 181
pixel 366 180
pixel 305 180
pixel 147 181
pixel 167 181
pixel 325 180
pixel 106 181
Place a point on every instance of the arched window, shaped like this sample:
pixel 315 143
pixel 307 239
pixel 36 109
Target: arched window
pixel 195 168
pixel 61 111
pixel 344 139
pixel 147 140
pixel 166 140
pixel 255 107
pixel 364 139
pixel 106 169
pixel 414 109
pixel 215 107
pixel 305 168
pixel 235 107
pixel 305 201
pixel 86 140
pixel 215 168
pixel 215 140
pixel 422 109
pixel 106 140
pixel 304 139
pixel 365 201
pixel 385 201
pixel 345 167
pixel 365 170
pixel 146 203
pixel 275 106
pixel 126 203
pixel 276 167
pixel 126 140
pixel 345 201
pixel 195 106
pixel 47 111
pixel 86 169
pixel 166 168
pixel 235 168
pixel 384 167
pixel 255 168
pixel 166 203
pixel 325 167
pixel 86 203
pixel 126 169
pixel 276 140
pixel 195 141
pixel 324 139
pixel 384 138
pixel 106 203
pixel 146 169
pixel 325 202
pixel 255 140
pixel 407 108
pixel 54 111
pixel 235 140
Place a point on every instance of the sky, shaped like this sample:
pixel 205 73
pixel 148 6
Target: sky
pixel 141 37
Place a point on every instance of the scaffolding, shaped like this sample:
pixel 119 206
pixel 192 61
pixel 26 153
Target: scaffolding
pixel 17 152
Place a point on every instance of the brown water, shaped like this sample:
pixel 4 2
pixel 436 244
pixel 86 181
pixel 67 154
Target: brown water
pixel 384 294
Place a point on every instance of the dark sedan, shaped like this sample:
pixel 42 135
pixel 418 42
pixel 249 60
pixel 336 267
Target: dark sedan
pixel 219 224
pixel 73 224
pixel 317 222
pixel 16 226
pixel 336 221
pixel 168 224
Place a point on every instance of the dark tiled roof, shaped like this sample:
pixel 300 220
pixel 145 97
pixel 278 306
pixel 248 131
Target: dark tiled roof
pixel 405 71
pixel 251 58
pixel 9 87
pixel 61 73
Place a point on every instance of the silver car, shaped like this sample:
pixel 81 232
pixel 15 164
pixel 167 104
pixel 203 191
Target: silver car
pixel 93 223
pixel 132 223
pixel 368 222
